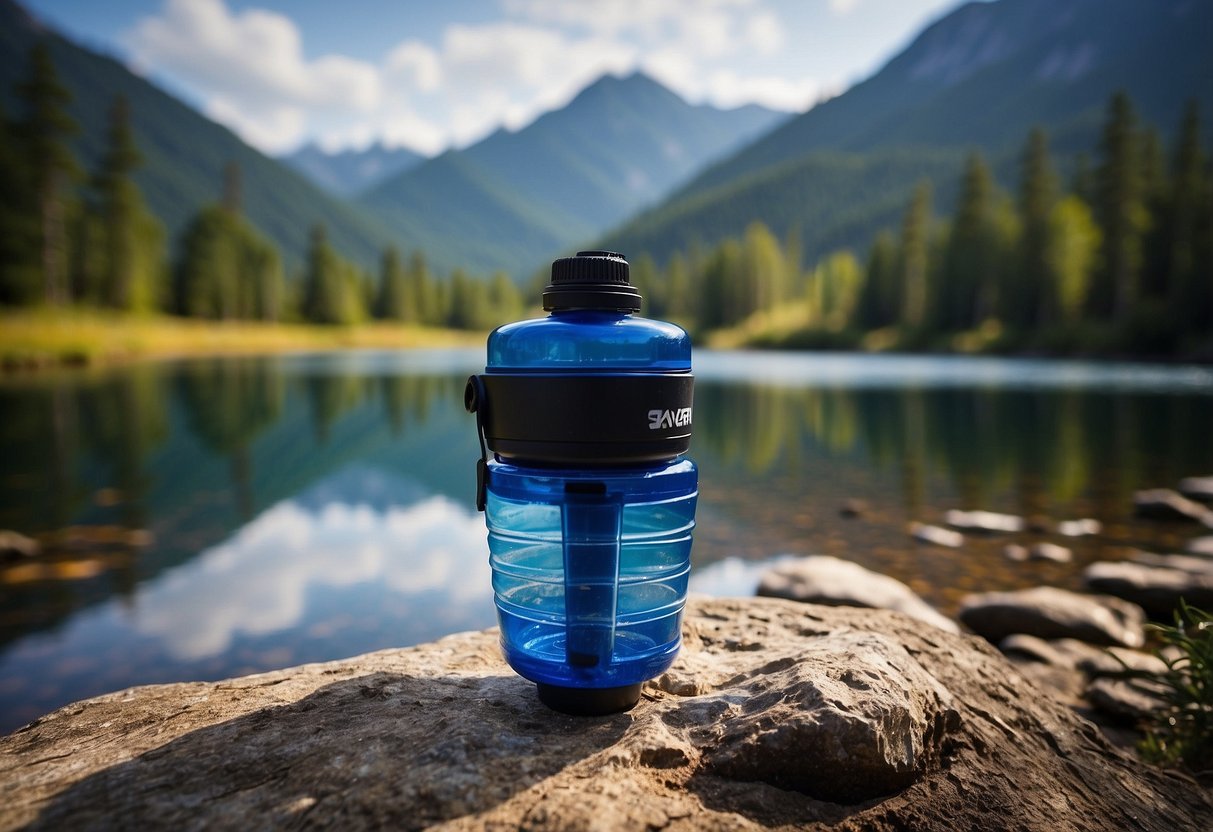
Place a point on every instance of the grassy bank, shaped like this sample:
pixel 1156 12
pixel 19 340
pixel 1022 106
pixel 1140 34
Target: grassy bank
pixel 44 338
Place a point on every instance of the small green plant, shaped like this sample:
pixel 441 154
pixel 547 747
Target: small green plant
pixel 1182 732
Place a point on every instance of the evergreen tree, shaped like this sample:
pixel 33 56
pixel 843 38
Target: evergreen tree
pixel 132 239
pixel 1121 212
pixel 913 257
pixel 1155 190
pixel 679 304
pixel 45 131
pixel 717 296
pixel 207 278
pixel 644 276
pixel 19 275
pixel 328 296
pixel 393 302
pixel 423 292
pixel 1190 293
pixel 971 261
pixel 1082 181
pixel 1037 197
pixel 880 301
pixel 834 290
pixel 504 302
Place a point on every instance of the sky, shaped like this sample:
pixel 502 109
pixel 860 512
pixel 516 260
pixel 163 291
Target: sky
pixel 428 76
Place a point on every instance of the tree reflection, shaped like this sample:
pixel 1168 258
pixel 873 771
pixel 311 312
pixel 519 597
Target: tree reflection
pixel 228 402
pixel 1041 446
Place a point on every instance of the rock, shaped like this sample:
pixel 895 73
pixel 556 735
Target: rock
pixel 1197 488
pixel 1037 551
pixel 1156 589
pixel 16 546
pixel 1124 699
pixel 1201 546
pixel 854 508
pixel 1184 563
pixel 1015 552
pixel 936 535
pixel 821 579
pixel 1073 654
pixel 1051 613
pixel 1168 505
pixel 776 714
pixel 1050 552
pixel 1085 527
pixel 984 521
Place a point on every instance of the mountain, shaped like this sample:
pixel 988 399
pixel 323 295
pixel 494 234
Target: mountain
pixel 515 198
pixel 978 78
pixel 184 154
pixel 351 171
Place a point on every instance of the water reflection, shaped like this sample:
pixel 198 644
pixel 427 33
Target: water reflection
pixel 359 526
pixel 207 518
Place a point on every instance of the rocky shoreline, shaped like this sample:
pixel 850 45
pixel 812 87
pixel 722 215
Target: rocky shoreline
pixel 841 700
pixel 777 713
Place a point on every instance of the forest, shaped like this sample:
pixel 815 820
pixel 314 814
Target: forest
pixel 1117 260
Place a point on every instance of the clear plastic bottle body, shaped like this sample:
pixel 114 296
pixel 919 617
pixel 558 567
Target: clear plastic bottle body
pixel 590 564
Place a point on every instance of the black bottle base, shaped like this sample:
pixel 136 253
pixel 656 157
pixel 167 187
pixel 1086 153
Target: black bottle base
pixel 589 701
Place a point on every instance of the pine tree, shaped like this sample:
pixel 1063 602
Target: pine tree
pixel 393 302
pixel 131 237
pixel 1190 293
pixel 423 293
pixel 1155 190
pixel 679 305
pixel 762 283
pixel 505 301
pixel 880 302
pixel 971 262
pixel 1037 197
pixel 45 131
pixel 1121 212
pixel 19 275
pixel 207 278
pixel 913 257
pixel 325 292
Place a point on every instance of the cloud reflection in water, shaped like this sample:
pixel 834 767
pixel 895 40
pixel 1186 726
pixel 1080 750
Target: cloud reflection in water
pixel 347 530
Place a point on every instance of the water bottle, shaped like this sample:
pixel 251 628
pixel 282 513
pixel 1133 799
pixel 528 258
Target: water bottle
pixel 589 504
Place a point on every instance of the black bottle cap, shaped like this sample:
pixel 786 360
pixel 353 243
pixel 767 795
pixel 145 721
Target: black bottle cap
pixel 591 280
pixel 589 701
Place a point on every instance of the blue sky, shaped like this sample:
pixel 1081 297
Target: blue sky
pixel 434 75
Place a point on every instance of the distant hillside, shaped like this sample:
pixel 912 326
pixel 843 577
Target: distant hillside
pixel 980 77
pixel 185 153
pixel 351 172
pixel 513 199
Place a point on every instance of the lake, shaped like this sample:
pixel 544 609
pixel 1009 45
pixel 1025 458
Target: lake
pixel 207 518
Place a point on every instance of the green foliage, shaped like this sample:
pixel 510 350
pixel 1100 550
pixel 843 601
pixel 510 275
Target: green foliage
pixel 1121 209
pixel 331 291
pixel 913 254
pixel 392 301
pixel 1072 242
pixel 227 270
pixel 131 244
pixel 1037 197
pixel 1182 732
pixel 44 132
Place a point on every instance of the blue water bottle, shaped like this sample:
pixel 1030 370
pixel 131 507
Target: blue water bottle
pixel 589 505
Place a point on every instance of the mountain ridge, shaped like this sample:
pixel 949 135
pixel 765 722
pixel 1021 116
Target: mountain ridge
pixel 978 78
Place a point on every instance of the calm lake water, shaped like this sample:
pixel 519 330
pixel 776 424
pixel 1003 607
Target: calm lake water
pixel 209 518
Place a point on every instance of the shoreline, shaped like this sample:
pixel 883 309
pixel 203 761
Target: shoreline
pixel 32 342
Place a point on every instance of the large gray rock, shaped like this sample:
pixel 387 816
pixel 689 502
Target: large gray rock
pixel 776 714
pixel 1050 613
pixel 822 579
pixel 1157 589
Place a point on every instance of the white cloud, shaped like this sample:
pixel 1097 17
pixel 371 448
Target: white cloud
pixel 843 7
pixel 250 69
